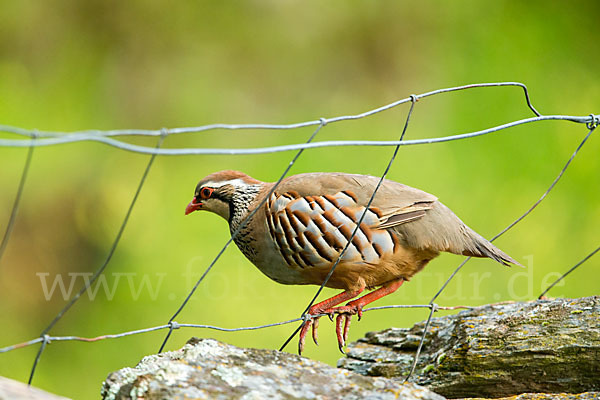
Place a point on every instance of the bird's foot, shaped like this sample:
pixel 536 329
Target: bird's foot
pixel 311 318
pixel 344 313
pixel 342 323
pixel 343 320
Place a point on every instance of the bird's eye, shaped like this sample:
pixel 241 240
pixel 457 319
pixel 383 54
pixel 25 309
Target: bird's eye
pixel 206 192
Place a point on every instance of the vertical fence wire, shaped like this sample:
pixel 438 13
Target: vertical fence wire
pixel 15 207
pixel 355 231
pixel 502 232
pixel 100 270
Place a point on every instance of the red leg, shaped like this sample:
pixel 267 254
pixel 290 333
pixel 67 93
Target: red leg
pixel 324 307
pixel 346 312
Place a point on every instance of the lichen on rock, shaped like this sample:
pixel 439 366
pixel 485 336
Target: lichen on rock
pixel 208 369
pixel 494 350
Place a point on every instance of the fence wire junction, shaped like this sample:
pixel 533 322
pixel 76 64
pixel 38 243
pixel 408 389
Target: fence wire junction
pixel 111 137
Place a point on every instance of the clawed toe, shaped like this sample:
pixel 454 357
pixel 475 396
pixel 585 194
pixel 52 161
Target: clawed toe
pixel 315 332
pixel 342 323
pixel 308 323
pixel 305 327
pixel 342 326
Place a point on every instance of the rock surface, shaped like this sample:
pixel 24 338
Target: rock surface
pixel 554 396
pixel 208 369
pixel 547 346
pixel 13 390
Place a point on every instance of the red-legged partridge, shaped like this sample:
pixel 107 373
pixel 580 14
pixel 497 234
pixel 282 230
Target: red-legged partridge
pixel 298 234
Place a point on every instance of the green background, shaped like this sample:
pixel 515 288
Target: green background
pixel 73 65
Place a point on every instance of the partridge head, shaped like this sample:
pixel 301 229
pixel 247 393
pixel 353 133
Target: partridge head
pixel 298 233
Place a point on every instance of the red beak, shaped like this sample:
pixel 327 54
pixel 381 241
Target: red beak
pixel 193 207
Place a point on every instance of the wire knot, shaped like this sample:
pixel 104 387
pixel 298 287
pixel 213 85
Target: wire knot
pixel 594 122
pixel 414 98
pixel 306 317
pixel 46 339
pixel 174 325
pixel 164 132
pixel 323 121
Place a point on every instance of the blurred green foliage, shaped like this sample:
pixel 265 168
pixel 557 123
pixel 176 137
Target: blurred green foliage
pixel 73 65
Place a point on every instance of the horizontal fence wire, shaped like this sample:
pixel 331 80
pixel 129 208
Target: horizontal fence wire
pixel 38 138
pixel 291 147
pixel 175 325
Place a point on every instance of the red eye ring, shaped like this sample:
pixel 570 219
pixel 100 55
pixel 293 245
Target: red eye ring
pixel 206 192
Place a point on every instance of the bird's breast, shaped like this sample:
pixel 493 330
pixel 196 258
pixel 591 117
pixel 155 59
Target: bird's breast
pixel 255 242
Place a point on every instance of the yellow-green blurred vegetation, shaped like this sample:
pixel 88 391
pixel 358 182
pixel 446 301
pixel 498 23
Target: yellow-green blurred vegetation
pixel 74 65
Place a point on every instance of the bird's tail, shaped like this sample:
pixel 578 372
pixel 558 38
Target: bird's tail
pixel 441 230
pixel 481 247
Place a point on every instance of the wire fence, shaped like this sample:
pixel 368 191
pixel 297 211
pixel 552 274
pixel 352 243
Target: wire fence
pixel 37 138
